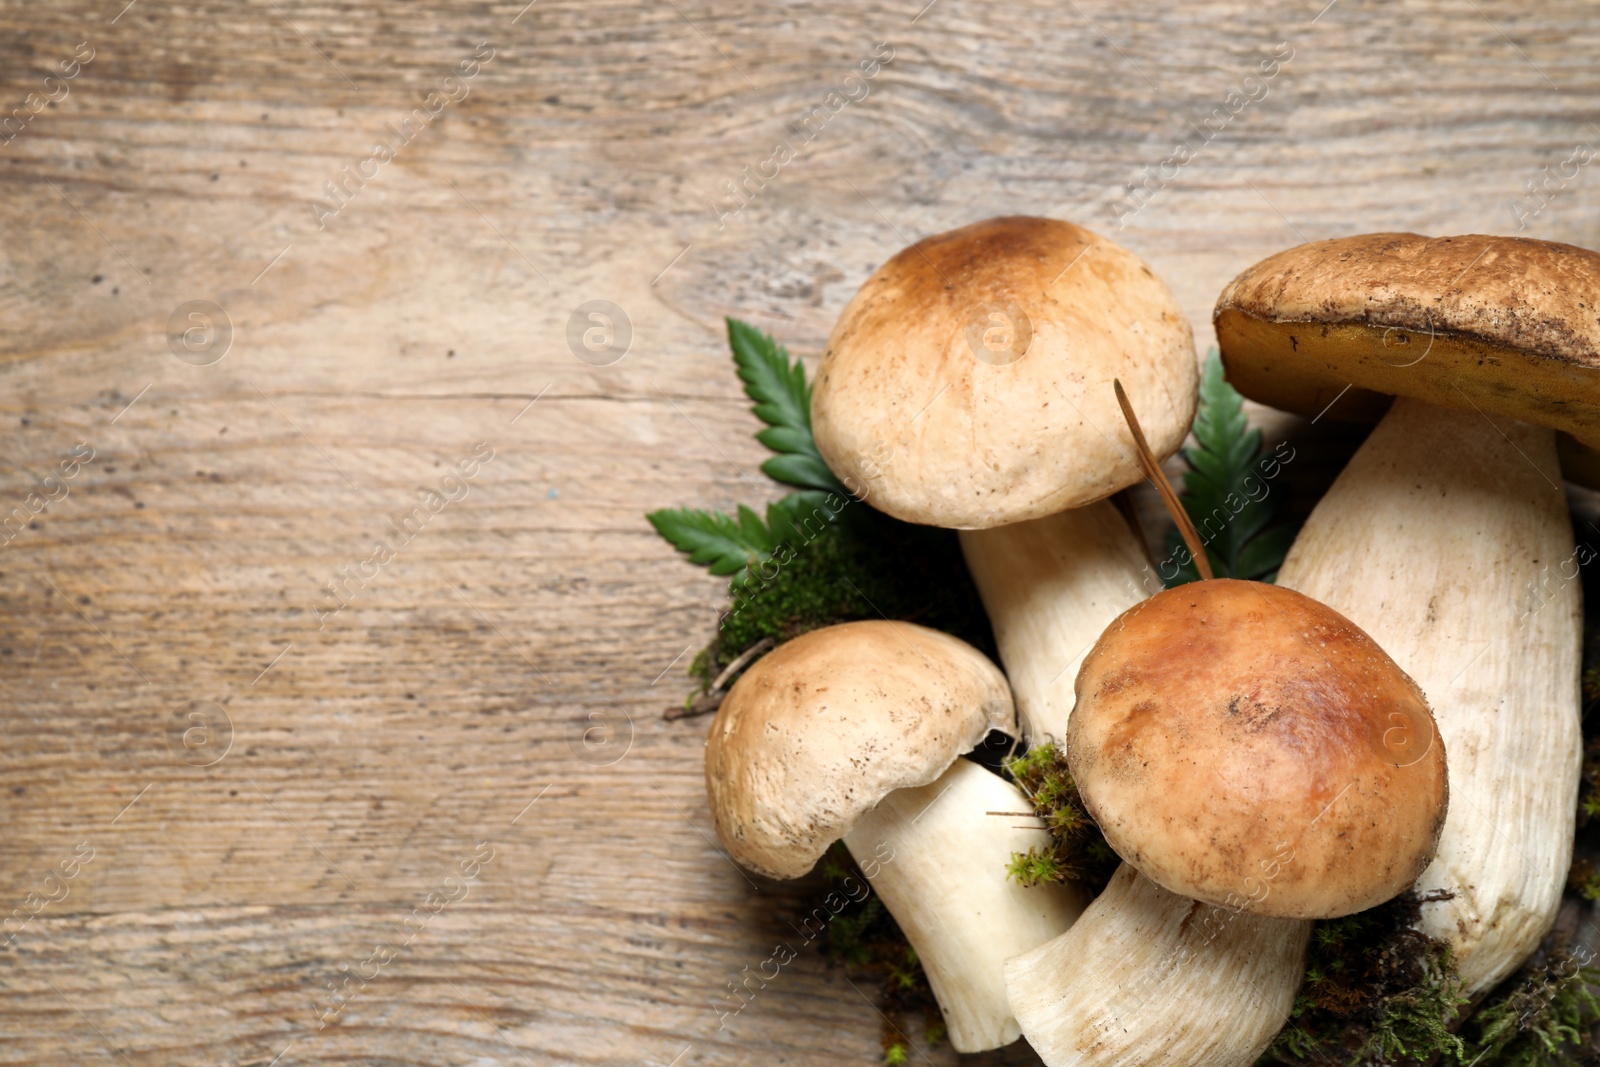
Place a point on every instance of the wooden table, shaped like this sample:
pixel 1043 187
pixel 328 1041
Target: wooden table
pixel 276 795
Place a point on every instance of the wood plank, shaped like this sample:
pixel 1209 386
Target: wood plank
pixel 371 354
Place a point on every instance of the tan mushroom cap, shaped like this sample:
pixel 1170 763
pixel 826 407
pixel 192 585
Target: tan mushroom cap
pixel 1507 325
pixel 968 383
pixel 1247 746
pixel 822 728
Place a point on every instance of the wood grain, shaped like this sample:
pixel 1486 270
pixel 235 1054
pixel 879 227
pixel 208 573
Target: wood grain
pixel 381 747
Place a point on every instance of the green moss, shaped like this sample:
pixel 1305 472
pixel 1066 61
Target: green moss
pixel 1583 880
pixel 1078 852
pixel 1035 867
pixel 1537 1021
pixel 865 566
pixel 1376 990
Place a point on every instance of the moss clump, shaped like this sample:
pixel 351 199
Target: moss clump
pixel 864 566
pixel 1376 990
pixel 1589 781
pixel 1078 852
pixel 1547 1011
pixel 1583 880
pixel 868 943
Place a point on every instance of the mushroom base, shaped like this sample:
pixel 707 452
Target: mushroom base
pixel 938 861
pixel 1149 978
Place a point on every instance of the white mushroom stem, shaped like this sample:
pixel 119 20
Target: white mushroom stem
pixel 938 860
pixel 1148 978
pixel 1051 586
pixel 1447 539
pixel 1135 980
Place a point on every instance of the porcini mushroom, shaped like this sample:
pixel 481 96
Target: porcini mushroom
pixel 1244 745
pixel 964 386
pixel 1260 760
pixel 855 732
pixel 1447 536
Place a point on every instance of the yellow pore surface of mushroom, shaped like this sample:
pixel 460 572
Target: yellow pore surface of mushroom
pixel 1247 746
pixel 1500 324
pixel 965 384
pixel 823 727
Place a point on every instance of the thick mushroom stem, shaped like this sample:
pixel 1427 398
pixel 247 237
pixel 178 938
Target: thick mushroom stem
pixel 1148 978
pixel 1050 587
pixel 938 860
pixel 1447 539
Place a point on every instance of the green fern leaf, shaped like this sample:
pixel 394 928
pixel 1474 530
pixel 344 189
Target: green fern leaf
pixel 730 544
pixel 782 401
pixel 1229 490
pixel 726 544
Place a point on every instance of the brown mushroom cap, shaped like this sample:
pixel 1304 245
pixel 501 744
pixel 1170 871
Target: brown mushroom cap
pixel 968 383
pixel 1507 325
pixel 822 728
pixel 1245 745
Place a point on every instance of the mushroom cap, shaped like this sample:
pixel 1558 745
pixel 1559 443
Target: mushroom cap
pixel 968 383
pixel 1507 325
pixel 1247 746
pixel 822 728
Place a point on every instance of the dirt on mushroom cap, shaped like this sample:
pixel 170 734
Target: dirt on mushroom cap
pixel 1508 325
